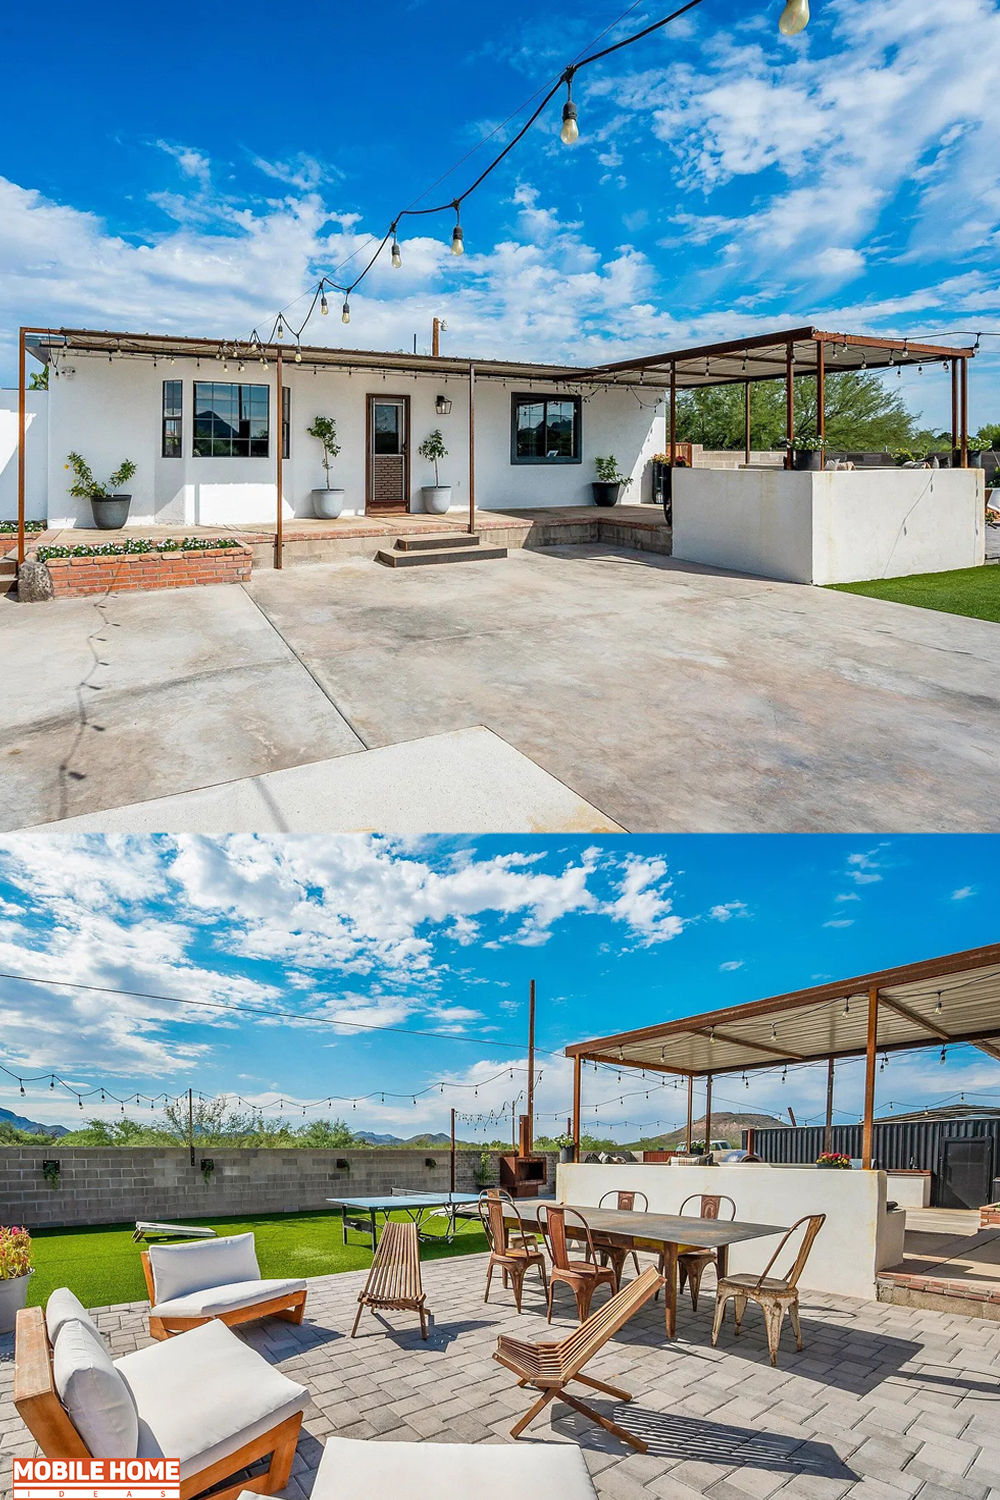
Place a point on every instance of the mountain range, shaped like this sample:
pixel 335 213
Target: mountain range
pixel 20 1122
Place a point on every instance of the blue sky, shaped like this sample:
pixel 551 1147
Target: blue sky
pixel 198 173
pixel 444 935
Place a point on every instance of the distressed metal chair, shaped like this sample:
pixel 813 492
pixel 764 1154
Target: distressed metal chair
pixel 775 1294
pixel 394 1278
pixel 514 1251
pixel 616 1249
pixel 694 1260
pixel 549 1368
pixel 583 1276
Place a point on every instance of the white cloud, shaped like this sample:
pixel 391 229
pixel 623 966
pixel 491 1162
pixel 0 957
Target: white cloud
pixel 729 910
pixel 642 901
pixel 731 965
pixel 963 893
pixel 840 922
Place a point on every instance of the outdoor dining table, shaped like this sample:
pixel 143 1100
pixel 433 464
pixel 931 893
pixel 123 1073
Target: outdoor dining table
pixel 656 1232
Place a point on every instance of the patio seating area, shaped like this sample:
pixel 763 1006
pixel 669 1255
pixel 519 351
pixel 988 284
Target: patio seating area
pixel 885 1402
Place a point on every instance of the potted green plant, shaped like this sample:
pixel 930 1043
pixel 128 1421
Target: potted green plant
pixel 567 1147
pixel 834 1161
pixel 807 452
pixel 15 1269
pixel 327 502
pixel 437 496
pixel 109 506
pixel 609 484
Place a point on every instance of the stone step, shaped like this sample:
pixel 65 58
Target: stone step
pixel 426 557
pixel 433 543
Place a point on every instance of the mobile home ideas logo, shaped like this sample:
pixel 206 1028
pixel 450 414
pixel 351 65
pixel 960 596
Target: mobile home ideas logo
pixel 97 1479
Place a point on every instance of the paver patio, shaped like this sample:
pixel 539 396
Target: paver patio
pixel 885 1403
pixel 668 696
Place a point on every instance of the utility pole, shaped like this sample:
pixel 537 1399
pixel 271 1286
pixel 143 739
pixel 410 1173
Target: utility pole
pixel 531 1068
pixel 191 1123
pixel 453 1151
pixel 439 326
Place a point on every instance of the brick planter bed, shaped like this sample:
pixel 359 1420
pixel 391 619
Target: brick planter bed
pixel 73 577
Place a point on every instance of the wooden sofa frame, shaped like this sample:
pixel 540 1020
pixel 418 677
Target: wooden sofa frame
pixel 290 1305
pixel 49 1423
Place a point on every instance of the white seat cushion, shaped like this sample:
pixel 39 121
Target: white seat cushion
pixel 64 1307
pixel 223 1299
pixel 94 1393
pixel 351 1469
pixel 180 1269
pixel 204 1394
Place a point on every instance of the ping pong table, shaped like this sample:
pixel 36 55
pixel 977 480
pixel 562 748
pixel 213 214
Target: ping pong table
pixel 416 1206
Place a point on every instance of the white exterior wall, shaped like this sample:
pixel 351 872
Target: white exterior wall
pixel 111 410
pixel 36 449
pixel 859 1238
pixel 830 527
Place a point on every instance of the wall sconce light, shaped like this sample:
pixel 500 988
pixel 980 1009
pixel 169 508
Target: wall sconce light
pixel 442 406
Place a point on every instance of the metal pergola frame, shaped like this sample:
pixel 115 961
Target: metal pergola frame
pixel 939 1002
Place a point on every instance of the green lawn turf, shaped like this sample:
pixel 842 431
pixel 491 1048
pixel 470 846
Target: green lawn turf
pixel 967 591
pixel 101 1264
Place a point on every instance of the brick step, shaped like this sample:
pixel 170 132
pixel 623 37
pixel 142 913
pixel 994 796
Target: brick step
pixel 8 567
pixel 431 543
pixel 442 555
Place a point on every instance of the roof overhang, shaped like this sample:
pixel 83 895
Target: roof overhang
pixel 829 1020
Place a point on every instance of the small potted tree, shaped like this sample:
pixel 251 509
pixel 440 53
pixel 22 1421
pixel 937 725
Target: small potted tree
pixel 109 506
pixel 609 484
pixel 327 502
pixel 436 496
pixel 15 1269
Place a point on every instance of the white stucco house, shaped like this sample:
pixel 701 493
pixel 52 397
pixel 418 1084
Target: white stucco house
pixel 200 421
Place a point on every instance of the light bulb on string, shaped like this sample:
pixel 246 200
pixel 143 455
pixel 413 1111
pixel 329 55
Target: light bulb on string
pixel 279 332
pixel 345 314
pixel 937 1008
pixel 794 18
pixel 298 354
pixel 457 234
pixel 395 252
pixel 570 132
pixel 324 306
pixel 22 1088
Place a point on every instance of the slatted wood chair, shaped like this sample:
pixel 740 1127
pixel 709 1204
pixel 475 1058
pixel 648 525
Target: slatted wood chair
pixel 549 1368
pixel 694 1260
pixel 394 1278
pixel 514 1251
pixel 616 1251
pixel 584 1276
pixel 775 1294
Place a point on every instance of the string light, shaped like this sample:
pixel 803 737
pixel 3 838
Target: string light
pixel 345 314
pixel 794 18
pixel 457 234
pixel 396 253
pixel 324 306
pixel 570 132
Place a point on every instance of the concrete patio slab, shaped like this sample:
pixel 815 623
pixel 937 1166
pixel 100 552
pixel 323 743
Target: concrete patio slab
pixel 669 696
pixel 468 781
pixel 885 1403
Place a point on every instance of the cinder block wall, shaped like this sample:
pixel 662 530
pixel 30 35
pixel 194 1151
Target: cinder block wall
pixel 116 1186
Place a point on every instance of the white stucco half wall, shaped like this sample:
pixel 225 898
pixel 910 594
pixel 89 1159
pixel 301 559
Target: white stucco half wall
pixel 859 1238
pixel 36 451
pixel 830 527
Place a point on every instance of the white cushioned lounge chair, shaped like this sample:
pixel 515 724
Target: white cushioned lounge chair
pixel 204 1398
pixel 191 1284
pixel 351 1469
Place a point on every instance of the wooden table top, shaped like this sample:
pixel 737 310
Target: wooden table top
pixel 663 1228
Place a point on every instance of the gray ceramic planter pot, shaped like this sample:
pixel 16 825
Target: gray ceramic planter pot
pixel 13 1295
pixel 605 494
pixel 437 498
pixel 111 511
pixel 328 504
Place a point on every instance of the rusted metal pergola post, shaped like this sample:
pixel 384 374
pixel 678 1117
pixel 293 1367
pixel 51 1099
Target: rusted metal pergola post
pixel 708 1112
pixel 279 539
pixel 22 428
pixel 868 1134
pixel 820 390
pixel 954 414
pixel 828 1132
pixel 746 423
pixel 673 421
pixel 690 1109
pixel 789 403
pixel 531 1065
pixel 964 435
pixel 577 1068
pixel 472 455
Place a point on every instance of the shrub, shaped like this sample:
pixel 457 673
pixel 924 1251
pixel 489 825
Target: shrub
pixel 15 1253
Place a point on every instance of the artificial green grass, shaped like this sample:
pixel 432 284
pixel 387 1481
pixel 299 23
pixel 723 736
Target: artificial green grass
pixel 101 1264
pixel 966 591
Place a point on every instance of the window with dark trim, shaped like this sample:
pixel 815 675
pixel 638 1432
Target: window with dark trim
pixel 173 405
pixel 286 422
pixel 230 421
pixel 545 429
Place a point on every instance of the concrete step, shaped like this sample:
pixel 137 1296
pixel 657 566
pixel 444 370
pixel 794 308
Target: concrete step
pixel 427 557
pixel 433 543
pixel 8 567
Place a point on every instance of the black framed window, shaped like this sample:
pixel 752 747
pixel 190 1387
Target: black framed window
pixel 230 421
pixel 545 429
pixel 286 422
pixel 173 407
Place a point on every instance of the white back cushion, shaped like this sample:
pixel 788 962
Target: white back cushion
pixel 97 1398
pixel 63 1307
pixel 181 1269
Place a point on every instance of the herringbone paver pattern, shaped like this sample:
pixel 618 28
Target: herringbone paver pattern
pixel 885 1403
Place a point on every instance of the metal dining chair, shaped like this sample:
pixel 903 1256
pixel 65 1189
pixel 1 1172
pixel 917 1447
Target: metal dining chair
pixel 514 1251
pixel 693 1261
pixel 775 1294
pixel 616 1251
pixel 583 1276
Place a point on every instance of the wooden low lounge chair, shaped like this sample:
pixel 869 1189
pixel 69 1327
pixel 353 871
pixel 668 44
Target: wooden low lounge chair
pixel 192 1284
pixel 206 1399
pixel 394 1279
pixel 550 1367
pixel 775 1294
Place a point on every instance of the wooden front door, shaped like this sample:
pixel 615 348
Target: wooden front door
pixel 388 455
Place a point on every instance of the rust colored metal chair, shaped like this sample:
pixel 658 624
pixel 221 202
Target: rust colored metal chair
pixel 584 1276
pixel 694 1261
pixel 775 1294
pixel 550 1367
pixel 514 1251
pixel 616 1251
pixel 394 1278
